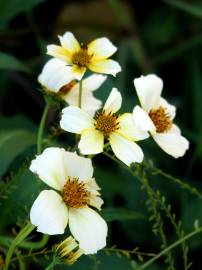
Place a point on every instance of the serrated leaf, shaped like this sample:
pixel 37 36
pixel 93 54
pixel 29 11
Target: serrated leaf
pixel 12 143
pixel 22 190
pixel 8 61
pixel 111 214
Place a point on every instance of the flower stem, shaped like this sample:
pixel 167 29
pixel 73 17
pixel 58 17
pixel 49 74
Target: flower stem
pixel 80 94
pixel 6 241
pixel 199 230
pixel 19 238
pixel 41 128
pixel 79 105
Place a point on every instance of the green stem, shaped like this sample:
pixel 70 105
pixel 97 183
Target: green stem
pixel 19 238
pixel 80 94
pixel 79 105
pixel 41 128
pixel 166 250
pixel 6 242
pixel 199 230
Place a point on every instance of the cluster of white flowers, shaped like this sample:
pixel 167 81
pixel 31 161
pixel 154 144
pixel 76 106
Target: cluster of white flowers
pixel 76 192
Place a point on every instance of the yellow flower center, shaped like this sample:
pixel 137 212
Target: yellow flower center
pixel 81 58
pixel 106 123
pixel 67 87
pixel 161 119
pixel 75 194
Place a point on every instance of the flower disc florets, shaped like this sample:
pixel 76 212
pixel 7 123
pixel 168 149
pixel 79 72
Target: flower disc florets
pixel 81 58
pixel 161 119
pixel 106 123
pixel 75 194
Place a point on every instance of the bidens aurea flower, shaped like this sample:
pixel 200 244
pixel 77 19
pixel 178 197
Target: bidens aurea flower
pixel 72 177
pixel 56 78
pixel 93 56
pixel 157 115
pixel 118 129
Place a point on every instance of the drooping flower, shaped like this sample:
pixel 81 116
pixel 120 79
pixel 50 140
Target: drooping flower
pixel 56 78
pixel 157 115
pixel 93 56
pixel 69 250
pixel 72 177
pixel 119 130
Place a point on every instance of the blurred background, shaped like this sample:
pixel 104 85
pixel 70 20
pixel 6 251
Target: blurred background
pixel 161 37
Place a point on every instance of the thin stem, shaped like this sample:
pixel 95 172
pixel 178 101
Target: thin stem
pixel 199 230
pixel 182 184
pixel 19 238
pixel 80 94
pixel 41 128
pixel 38 253
pixel 6 241
pixel 79 105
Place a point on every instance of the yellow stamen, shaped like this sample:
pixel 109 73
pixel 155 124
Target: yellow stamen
pixel 75 194
pixel 106 123
pixel 161 119
pixel 81 58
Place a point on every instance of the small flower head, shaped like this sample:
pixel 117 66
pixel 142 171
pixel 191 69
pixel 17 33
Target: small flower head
pixel 69 250
pixel 119 130
pixel 93 56
pixel 77 191
pixel 57 79
pixel 156 116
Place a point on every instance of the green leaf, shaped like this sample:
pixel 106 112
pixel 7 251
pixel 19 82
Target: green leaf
pixel 10 8
pixel 111 214
pixel 12 143
pixel 8 61
pixel 20 194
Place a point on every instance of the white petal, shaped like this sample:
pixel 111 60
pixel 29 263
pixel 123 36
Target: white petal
pixel 55 74
pixel 105 66
pixel 60 53
pixel 93 82
pixel 173 144
pixel 101 48
pixel 88 228
pixel 114 101
pixel 127 151
pixel 93 187
pixel 79 167
pixel 69 42
pixel 175 129
pixel 129 129
pixel 75 120
pixel 78 72
pixel 96 202
pixel 89 103
pixel 171 109
pixel 49 213
pixel 91 142
pixel 142 120
pixel 149 90
pixel 50 167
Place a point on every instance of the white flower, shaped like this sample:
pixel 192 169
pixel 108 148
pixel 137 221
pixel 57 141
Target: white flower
pixel 156 116
pixel 119 130
pixel 72 177
pixel 93 56
pixel 56 77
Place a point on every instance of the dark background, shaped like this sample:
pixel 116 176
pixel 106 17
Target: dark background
pixel 161 37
